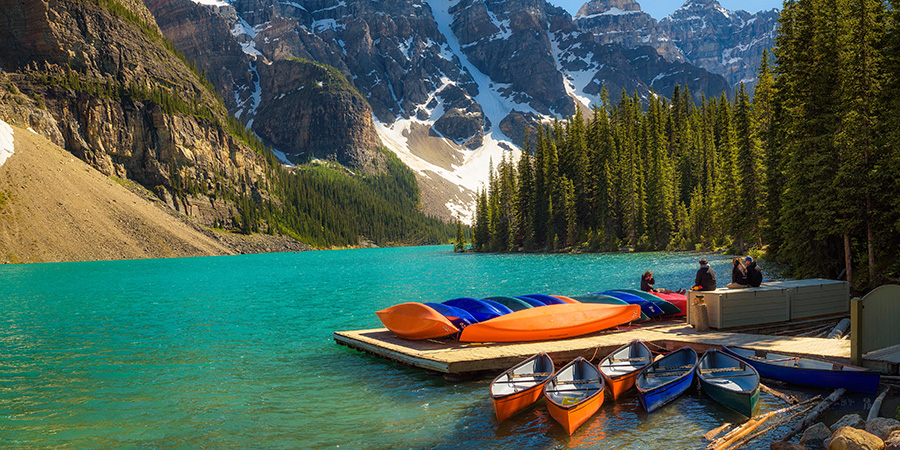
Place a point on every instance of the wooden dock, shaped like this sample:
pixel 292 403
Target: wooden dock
pixel 454 358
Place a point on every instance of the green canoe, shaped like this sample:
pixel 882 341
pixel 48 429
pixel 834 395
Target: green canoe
pixel 510 302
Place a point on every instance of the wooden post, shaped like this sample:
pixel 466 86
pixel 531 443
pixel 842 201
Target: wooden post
pixel 856 312
pixel 700 315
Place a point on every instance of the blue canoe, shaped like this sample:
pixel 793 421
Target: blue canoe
pixel 666 379
pixel 667 308
pixel 515 304
pixel 534 303
pixel 647 307
pixel 481 310
pixel 808 371
pixel 458 316
pixel 545 299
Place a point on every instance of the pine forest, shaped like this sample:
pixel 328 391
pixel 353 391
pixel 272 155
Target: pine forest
pixel 803 172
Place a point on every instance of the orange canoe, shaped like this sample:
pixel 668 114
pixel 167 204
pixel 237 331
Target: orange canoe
pixel 520 386
pixel 622 366
pixel 550 322
pixel 574 394
pixel 416 321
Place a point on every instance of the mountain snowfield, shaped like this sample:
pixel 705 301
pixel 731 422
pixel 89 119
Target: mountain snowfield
pixel 7 147
pixel 438 109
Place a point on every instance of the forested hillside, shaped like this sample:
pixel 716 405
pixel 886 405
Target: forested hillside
pixel 806 171
pixel 135 108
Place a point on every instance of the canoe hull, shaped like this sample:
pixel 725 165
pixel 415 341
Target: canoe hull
pixel 550 322
pixel 657 398
pixel 654 396
pixel 679 300
pixel 740 402
pixel 864 381
pixel 622 366
pixel 584 404
pixel 513 390
pixel 416 321
pixel 729 381
pixel 668 308
pixel 649 308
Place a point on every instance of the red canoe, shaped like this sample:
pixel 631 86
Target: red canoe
pixel 416 321
pixel 550 322
pixel 679 300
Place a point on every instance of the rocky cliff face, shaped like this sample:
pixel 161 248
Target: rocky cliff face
pixel 730 43
pixel 701 32
pixel 452 85
pixel 300 108
pixel 100 82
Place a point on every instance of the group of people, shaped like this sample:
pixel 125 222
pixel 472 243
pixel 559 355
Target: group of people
pixel 744 274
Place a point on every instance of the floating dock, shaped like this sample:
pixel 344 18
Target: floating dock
pixel 458 358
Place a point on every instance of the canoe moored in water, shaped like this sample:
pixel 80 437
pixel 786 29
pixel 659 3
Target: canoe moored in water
pixel 621 367
pixel 666 379
pixel 416 321
pixel 550 322
pixel 808 371
pixel 574 393
pixel 520 386
pixel 729 381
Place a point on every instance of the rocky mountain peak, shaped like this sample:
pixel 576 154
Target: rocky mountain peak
pixel 700 32
pixel 611 7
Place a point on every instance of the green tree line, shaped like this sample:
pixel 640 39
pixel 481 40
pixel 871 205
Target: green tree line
pixel 804 171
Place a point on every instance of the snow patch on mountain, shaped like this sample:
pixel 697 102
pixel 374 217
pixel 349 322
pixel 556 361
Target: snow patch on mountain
pixel 6 142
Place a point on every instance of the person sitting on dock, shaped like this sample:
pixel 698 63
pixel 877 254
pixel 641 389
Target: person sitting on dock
pixel 706 277
pixel 647 283
pixel 754 274
pixel 738 275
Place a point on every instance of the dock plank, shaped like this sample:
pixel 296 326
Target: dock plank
pixel 451 357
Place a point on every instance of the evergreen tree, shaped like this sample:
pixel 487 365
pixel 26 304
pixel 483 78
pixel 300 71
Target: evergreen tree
pixel 749 175
pixel 460 244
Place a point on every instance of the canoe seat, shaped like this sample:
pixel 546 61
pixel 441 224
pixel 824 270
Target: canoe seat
pixel 721 369
pixel 530 375
pixel 629 359
pixel 592 380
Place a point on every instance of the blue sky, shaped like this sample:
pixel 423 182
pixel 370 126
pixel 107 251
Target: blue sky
pixel 662 8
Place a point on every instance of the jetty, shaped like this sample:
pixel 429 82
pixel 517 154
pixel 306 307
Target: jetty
pixel 453 358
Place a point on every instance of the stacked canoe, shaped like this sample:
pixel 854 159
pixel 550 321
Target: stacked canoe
pixel 505 319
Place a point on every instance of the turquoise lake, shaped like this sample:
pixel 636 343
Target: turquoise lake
pixel 236 352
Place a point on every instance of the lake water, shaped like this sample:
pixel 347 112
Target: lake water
pixel 236 352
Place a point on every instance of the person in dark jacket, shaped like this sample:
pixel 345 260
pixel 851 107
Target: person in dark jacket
pixel 706 277
pixel 647 283
pixel 754 274
pixel 738 275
